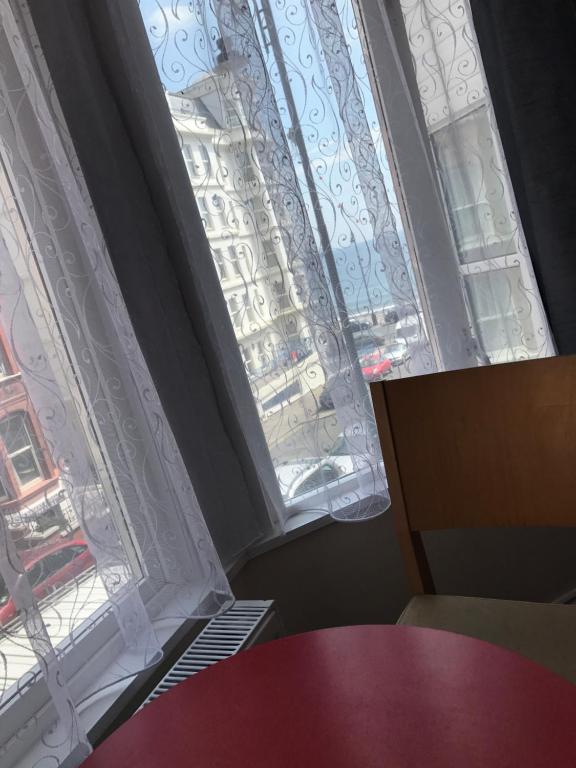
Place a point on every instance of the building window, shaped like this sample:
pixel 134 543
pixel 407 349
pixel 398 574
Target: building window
pixel 234 307
pixel 234 260
pixel 17 437
pixel 220 263
pixel 204 165
pixel 205 213
pixel 189 159
pixel 281 295
pixel 270 256
pixel 218 209
pixel 5 367
pixel 201 168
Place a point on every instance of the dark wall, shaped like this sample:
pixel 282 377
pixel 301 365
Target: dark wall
pixel 352 573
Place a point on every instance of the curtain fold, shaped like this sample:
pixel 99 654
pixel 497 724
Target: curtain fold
pixel 107 88
pixel 100 526
pixel 529 58
pixel 310 269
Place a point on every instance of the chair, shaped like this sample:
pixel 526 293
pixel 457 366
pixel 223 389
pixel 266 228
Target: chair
pixel 483 447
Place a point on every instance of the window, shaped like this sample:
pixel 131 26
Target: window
pixel 205 213
pixel 190 145
pixel 233 260
pixel 204 166
pixel 477 191
pixel 324 250
pixel 471 173
pixel 282 298
pixel 501 307
pixel 218 209
pixel 4 367
pixel 480 210
pixel 37 574
pixel 234 307
pixel 19 444
pixel 271 258
pixel 189 158
pixel 220 263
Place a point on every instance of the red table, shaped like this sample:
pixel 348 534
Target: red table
pixel 357 697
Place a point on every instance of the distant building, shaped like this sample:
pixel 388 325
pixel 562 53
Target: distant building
pixel 247 248
pixel 31 495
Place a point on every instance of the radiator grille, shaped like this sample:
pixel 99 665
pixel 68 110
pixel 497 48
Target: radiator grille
pixel 222 637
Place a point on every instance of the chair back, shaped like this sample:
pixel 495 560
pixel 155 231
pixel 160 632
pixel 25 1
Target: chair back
pixel 480 447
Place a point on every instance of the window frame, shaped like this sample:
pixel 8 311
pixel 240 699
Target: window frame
pixel 491 262
pixel 30 446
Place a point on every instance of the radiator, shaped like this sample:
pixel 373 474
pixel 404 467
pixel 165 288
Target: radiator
pixel 247 623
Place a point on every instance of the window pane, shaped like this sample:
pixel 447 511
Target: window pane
pixel 18 443
pixel 4 370
pixel 14 433
pixel 26 466
pixel 502 310
pixel 471 173
pixel 267 185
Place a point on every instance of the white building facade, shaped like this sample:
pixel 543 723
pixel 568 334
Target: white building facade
pixel 245 241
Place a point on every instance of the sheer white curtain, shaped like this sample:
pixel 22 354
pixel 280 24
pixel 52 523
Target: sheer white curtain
pixel 100 530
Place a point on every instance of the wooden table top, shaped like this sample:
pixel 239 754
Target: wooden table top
pixel 357 697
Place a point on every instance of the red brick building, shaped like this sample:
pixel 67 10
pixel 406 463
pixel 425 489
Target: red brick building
pixel 30 491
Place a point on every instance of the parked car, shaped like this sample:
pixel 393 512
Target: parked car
pixel 372 357
pixel 300 477
pixel 410 330
pixel 398 352
pixel 359 326
pixel 48 569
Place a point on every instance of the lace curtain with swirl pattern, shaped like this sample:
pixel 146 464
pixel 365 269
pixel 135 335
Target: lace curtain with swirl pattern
pixel 280 136
pixel 100 529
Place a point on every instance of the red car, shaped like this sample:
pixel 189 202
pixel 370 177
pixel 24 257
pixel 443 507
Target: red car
pixel 48 569
pixel 375 366
pixel 373 359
